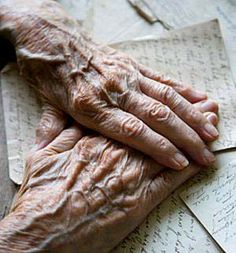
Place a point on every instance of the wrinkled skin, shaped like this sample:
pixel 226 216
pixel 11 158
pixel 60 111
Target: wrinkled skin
pixel 84 195
pixel 103 89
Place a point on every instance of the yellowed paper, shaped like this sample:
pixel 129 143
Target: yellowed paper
pixel 211 196
pixel 21 114
pixel 183 13
pixel 195 55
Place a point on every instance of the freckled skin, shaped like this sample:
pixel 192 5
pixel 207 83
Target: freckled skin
pixel 82 196
pixel 103 89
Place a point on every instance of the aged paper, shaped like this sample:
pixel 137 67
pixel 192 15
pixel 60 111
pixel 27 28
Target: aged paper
pixel 21 113
pixel 183 13
pixel 211 196
pixel 195 55
pixel 125 24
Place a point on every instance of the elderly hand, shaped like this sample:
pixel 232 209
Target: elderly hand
pixel 84 195
pixel 103 89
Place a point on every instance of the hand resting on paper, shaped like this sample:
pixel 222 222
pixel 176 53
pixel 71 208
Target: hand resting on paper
pixel 84 194
pixel 103 89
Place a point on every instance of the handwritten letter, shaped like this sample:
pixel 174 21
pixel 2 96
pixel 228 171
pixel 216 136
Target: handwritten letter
pixel 21 113
pixel 212 198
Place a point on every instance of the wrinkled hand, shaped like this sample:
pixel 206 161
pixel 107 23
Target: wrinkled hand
pixel 103 89
pixel 84 195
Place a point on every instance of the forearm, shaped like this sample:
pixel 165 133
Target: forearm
pixel 29 226
pixel 36 30
pixel 38 27
pixel 22 232
pixel 13 235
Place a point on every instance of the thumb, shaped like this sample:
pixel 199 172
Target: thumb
pixel 52 122
pixel 166 181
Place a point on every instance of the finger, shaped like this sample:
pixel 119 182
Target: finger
pixel 207 106
pixel 128 129
pixel 209 109
pixel 66 140
pixel 52 122
pixel 161 119
pixel 192 95
pixel 184 109
pixel 167 181
pixel 212 117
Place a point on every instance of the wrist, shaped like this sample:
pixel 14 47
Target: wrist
pixel 12 238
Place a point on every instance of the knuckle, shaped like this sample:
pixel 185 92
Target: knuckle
pixel 171 97
pixel 132 127
pixel 160 112
pixel 194 116
pixel 114 85
pixel 119 86
pixel 168 93
pixel 163 146
pixel 81 101
pixel 114 184
pixel 176 103
pixel 86 104
pixel 124 100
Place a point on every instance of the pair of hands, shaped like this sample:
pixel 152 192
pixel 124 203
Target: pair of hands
pixel 86 193
pixel 105 90
pixel 83 192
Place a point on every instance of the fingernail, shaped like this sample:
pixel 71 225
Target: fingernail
pixel 206 106
pixel 200 94
pixel 212 118
pixel 211 130
pixel 209 157
pixel 181 160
